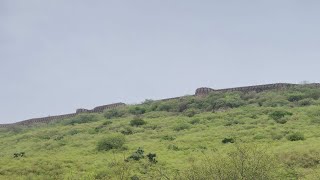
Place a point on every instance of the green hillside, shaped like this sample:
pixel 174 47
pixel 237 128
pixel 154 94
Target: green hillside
pixel 267 135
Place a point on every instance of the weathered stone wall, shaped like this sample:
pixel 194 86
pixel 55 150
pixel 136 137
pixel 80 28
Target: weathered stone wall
pixel 48 119
pixel 259 88
pixel 199 92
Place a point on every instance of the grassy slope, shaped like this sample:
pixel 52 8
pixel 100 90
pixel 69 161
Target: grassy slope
pixel 60 151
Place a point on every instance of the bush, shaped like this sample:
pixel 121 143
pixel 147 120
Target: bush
pixel 195 121
pixel 245 162
pixel 152 158
pixel 190 112
pixel 295 97
pixel 276 115
pixel 305 102
pixel 114 113
pixel 276 135
pixel 315 120
pixel 173 147
pixel 297 136
pixel 137 110
pixel 168 138
pixel 182 126
pixel 307 158
pixel 82 118
pixel 127 131
pixel 137 121
pixel 114 141
pixel 282 120
pixel 107 123
pixel 20 154
pixel 137 155
pixel 227 140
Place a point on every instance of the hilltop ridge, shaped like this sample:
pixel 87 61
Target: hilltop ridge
pixel 203 91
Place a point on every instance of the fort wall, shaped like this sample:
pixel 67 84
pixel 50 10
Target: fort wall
pixel 49 119
pixel 259 88
pixel 203 91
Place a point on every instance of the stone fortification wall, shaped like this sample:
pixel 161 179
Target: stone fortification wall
pixel 48 119
pixel 199 92
pixel 259 88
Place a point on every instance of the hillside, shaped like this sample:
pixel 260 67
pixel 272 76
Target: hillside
pixel 230 134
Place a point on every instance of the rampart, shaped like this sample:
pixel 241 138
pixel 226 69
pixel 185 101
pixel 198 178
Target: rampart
pixel 259 88
pixel 199 92
pixel 48 119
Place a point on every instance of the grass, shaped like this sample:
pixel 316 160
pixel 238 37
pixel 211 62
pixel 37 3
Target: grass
pixel 182 133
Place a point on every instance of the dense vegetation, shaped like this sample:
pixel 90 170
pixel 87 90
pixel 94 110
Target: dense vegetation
pixel 267 135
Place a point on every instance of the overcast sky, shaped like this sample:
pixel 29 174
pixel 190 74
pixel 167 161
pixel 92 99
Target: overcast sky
pixel 60 55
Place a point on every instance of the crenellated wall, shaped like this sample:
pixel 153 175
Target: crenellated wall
pixel 48 119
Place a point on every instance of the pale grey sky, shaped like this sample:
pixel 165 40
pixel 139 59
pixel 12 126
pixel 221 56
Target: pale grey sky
pixel 56 56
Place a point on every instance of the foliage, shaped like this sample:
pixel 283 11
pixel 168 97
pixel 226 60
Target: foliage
pixel 137 121
pixel 296 136
pixel 188 147
pixel 114 113
pixel 278 114
pixel 227 140
pixel 181 126
pixel 20 154
pixel 137 155
pixel 82 118
pixel 152 158
pixel 137 110
pixel 114 141
pixel 244 162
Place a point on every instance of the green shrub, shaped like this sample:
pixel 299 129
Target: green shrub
pixel 137 121
pixel 259 136
pixel 315 120
pixel 297 136
pixel 190 112
pixel 276 135
pixel 107 123
pixel 114 141
pixel 233 122
pixel 20 154
pixel 137 155
pixel 305 102
pixel 295 97
pixel 182 126
pixel 114 113
pixel 228 140
pixel 137 110
pixel 282 120
pixel 276 115
pixel 308 158
pixel 152 158
pixel 168 138
pixel 82 118
pixel 245 162
pixel 173 147
pixel 195 121
pixel 72 132
pixel 127 131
